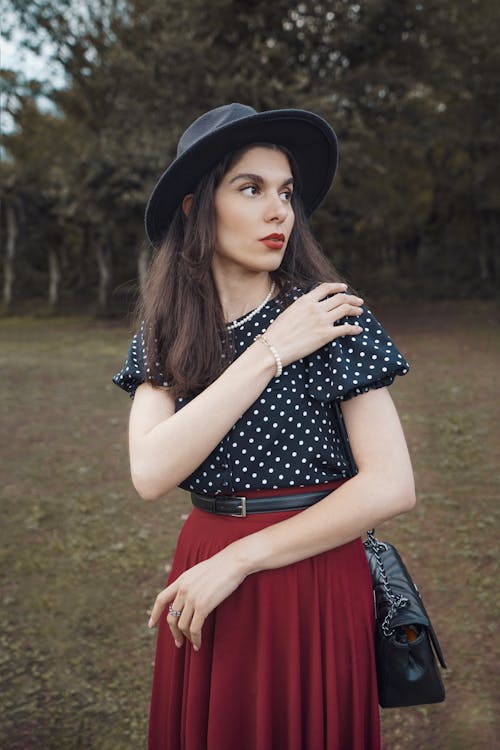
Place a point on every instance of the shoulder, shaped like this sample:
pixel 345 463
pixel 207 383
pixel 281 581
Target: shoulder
pixel 351 365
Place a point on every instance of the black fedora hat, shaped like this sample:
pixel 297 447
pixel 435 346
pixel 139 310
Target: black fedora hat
pixel 307 136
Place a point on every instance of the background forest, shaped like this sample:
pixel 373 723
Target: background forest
pixel 411 88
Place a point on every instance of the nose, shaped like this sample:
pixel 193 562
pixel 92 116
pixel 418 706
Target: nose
pixel 276 209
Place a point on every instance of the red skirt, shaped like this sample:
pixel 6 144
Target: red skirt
pixel 287 661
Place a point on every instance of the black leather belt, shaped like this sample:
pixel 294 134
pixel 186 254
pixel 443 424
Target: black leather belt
pixel 240 506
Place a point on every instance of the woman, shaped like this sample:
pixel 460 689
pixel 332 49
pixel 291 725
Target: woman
pixel 248 339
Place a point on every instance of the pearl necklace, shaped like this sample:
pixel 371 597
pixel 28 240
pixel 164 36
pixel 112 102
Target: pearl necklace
pixel 238 323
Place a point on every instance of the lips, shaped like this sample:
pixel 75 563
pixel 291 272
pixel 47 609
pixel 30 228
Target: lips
pixel 274 241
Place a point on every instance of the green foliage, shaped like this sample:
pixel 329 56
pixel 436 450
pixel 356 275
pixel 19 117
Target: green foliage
pixel 411 89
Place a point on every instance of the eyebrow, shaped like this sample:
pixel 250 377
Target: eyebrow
pixel 257 178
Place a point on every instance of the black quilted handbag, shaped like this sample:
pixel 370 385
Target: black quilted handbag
pixel 405 641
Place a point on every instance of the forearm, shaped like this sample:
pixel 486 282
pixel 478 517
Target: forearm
pixel 359 504
pixel 170 451
pixel 383 488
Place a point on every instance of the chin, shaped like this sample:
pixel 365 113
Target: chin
pixel 276 264
pixel 273 262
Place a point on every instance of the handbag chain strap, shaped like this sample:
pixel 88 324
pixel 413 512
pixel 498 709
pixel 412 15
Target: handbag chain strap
pixel 397 602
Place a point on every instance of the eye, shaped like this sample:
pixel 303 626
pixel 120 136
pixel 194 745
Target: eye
pixel 286 195
pixel 249 190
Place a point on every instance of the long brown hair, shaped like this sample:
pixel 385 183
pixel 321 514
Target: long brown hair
pixel 186 340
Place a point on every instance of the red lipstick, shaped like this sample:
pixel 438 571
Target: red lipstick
pixel 274 241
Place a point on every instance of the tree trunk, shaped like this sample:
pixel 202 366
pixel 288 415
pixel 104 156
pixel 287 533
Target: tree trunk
pixel 103 254
pixel 10 253
pixel 54 279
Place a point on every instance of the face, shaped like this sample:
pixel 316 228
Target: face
pixel 253 210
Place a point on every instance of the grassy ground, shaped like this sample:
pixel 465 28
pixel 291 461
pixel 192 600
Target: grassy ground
pixel 82 557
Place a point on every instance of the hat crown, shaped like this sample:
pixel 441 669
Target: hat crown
pixel 211 121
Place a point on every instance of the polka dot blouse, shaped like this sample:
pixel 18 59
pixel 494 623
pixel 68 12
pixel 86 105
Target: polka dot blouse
pixel 289 436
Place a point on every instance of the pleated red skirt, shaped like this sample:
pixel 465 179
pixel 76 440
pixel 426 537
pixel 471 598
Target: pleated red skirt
pixel 286 662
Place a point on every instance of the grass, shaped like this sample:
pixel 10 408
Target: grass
pixel 82 557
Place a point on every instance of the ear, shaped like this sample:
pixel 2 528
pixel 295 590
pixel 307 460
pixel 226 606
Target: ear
pixel 186 204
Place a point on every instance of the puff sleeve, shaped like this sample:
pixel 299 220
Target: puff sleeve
pixel 351 365
pixel 135 369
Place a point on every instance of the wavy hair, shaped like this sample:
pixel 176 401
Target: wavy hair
pixel 186 340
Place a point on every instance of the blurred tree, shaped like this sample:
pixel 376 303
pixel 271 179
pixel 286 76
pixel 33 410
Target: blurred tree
pixel 411 89
pixel 416 109
pixel 34 193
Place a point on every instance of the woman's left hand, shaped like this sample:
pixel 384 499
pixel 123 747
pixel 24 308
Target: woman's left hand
pixel 196 593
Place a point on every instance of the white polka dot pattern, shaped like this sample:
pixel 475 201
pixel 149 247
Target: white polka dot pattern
pixel 133 372
pixel 351 365
pixel 289 436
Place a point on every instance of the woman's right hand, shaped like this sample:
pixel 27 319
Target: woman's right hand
pixel 309 322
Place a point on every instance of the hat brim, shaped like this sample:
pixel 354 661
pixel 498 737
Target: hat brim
pixel 307 136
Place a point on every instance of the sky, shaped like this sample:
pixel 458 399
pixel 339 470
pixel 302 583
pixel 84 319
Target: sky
pixel 24 61
pixel 13 56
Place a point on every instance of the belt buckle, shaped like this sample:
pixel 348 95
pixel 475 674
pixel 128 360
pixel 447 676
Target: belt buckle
pixel 242 508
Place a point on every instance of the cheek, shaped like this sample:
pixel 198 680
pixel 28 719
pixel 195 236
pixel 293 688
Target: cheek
pixel 230 217
pixel 241 221
pixel 229 228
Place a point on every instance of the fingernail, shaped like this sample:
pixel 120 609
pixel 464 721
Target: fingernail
pixel 178 644
pixel 196 648
pixel 150 623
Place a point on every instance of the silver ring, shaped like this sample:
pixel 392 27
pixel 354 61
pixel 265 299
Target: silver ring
pixel 174 612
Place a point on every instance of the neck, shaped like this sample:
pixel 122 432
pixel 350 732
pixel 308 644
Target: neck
pixel 240 295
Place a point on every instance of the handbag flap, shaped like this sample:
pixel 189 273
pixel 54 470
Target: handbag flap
pixel 401 586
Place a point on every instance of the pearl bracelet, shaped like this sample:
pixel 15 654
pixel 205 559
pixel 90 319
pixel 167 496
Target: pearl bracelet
pixel 279 364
